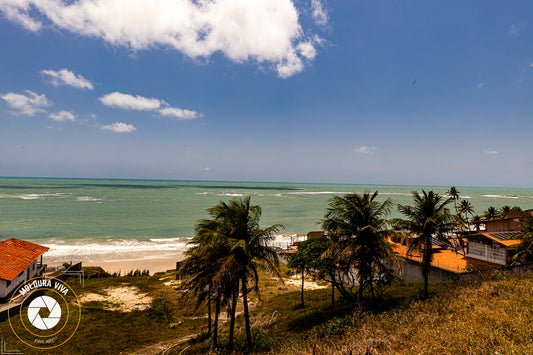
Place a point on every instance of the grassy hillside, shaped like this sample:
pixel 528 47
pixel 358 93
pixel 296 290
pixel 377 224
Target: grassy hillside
pixel 492 316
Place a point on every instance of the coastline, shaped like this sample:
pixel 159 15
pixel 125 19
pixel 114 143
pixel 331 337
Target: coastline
pixel 154 265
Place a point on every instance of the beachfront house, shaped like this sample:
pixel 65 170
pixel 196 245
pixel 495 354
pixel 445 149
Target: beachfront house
pixel 19 262
pixel 491 249
pixel 493 246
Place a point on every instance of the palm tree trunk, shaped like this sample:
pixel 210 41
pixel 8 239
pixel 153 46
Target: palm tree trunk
pixel 303 287
pixel 426 265
pixel 234 294
pixel 217 311
pixel 333 295
pixel 246 315
pixel 209 319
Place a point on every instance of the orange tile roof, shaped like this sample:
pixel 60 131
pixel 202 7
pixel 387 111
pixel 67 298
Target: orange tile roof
pixel 444 259
pixel 507 242
pixel 16 255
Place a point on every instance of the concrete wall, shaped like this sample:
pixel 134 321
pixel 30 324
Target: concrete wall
pixel 30 272
pixel 411 271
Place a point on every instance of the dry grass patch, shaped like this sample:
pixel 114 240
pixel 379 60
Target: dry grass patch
pixel 124 299
pixel 493 317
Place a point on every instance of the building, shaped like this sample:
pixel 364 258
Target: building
pixel 19 262
pixel 493 246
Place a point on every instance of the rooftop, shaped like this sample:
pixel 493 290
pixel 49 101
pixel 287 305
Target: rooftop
pixel 442 258
pixel 16 256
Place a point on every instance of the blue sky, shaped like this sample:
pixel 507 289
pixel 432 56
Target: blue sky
pixel 362 92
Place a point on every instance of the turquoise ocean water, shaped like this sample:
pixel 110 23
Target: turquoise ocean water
pixel 92 220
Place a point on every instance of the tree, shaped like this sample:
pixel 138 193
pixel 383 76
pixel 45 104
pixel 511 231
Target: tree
pixel 491 213
pixel 208 281
pixel 428 218
pixel 524 250
pixel 357 223
pixel 236 225
pixel 309 258
pixel 466 208
pixel 454 194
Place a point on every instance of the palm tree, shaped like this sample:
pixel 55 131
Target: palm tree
pixel 454 194
pixel 524 250
pixel 208 282
pixel 236 225
pixel 466 208
pixel 428 218
pixel 504 211
pixel 490 213
pixel 357 223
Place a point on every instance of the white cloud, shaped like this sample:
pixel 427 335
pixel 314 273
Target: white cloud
pixel 479 86
pixel 62 116
pixel 490 152
pixel 140 103
pixel 66 77
pixel 206 168
pixel 178 113
pixel 130 102
pixel 26 104
pixel 265 31
pixel 516 28
pixel 320 15
pixel 307 50
pixel 364 149
pixel 119 127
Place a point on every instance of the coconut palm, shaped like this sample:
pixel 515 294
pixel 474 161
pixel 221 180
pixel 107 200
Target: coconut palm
pixel 236 225
pixel 466 208
pixel 454 194
pixel 358 224
pixel 491 213
pixel 208 281
pixel 524 250
pixel 428 218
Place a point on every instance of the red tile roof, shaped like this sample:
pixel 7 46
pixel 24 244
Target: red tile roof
pixel 16 255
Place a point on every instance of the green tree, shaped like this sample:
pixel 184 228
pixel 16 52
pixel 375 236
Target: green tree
pixel 465 208
pixel 207 281
pixel 310 258
pixel 491 213
pixel 524 250
pixel 236 225
pixel 428 218
pixel 454 194
pixel 357 223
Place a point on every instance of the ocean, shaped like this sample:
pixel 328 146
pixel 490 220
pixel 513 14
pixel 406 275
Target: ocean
pixel 115 220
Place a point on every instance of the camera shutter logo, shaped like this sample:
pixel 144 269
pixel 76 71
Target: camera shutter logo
pixel 34 310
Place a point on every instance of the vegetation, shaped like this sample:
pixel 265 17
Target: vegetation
pixel 465 209
pixel 524 250
pixel 357 225
pixel 454 195
pixel 311 257
pixel 428 218
pixel 227 250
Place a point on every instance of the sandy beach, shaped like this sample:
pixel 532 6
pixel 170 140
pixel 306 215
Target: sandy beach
pixel 153 265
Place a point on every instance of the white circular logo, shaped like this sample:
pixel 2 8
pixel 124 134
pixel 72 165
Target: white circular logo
pixel 44 302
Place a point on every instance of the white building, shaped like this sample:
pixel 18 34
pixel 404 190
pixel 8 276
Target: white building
pixel 19 262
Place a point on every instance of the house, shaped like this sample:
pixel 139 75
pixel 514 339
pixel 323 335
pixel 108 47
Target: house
pixel 493 246
pixel 19 261
pixel 446 263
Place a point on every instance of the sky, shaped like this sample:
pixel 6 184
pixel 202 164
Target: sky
pixel 338 91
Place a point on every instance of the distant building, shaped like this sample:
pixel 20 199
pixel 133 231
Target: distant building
pixel 493 246
pixel 19 262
